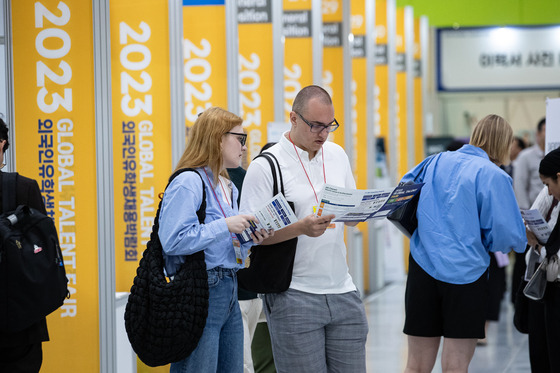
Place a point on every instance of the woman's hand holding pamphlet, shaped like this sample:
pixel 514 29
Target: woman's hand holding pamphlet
pixel 275 214
pixel 536 224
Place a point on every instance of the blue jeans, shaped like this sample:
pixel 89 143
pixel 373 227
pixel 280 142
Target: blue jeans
pixel 317 333
pixel 220 348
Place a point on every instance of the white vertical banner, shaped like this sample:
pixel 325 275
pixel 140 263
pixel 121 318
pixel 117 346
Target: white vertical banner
pixel 552 120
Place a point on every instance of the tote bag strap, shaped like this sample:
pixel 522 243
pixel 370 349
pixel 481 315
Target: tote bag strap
pixel 274 165
pixel 426 163
pixel 200 213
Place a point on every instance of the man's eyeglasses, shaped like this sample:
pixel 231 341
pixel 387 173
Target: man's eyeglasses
pixel 317 128
pixel 242 137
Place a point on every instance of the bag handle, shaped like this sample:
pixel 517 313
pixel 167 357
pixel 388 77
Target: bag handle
pixel 200 213
pixel 273 161
pixel 9 190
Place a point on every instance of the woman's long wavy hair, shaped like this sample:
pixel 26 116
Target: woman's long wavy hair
pixel 494 135
pixel 204 144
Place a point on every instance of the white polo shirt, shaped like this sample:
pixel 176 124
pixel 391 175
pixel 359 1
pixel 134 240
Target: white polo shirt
pixel 320 262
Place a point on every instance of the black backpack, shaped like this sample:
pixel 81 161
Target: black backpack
pixel 33 280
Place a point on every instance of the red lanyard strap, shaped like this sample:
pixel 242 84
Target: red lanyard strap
pixel 225 194
pixel 214 192
pixel 301 163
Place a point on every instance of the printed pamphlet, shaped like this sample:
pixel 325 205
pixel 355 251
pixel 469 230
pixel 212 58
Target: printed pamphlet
pixel 358 205
pixel 275 214
pixel 537 224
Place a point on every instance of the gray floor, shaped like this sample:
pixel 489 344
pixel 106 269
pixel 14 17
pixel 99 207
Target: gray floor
pixel 506 351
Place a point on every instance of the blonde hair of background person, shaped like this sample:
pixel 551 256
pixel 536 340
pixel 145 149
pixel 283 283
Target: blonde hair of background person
pixel 205 141
pixel 494 135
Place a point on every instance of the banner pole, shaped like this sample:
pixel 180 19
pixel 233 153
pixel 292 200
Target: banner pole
pixel 104 156
pixel 177 78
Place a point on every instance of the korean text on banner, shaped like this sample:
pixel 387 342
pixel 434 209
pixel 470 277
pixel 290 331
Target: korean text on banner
pixel 55 144
pixel 256 93
pixel 333 62
pixel 204 48
pixel 298 50
pixel 141 125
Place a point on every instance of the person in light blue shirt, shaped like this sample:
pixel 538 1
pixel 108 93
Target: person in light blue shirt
pixel 467 208
pixel 216 142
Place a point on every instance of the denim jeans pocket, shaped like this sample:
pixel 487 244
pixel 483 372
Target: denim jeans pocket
pixel 213 279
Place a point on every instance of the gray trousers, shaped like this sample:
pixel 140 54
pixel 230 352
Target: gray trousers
pixel 317 333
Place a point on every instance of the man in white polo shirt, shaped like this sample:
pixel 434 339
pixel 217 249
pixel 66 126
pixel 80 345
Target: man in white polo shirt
pixel 319 323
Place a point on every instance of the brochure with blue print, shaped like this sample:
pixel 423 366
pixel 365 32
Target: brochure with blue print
pixel 537 225
pixel 358 205
pixel 275 214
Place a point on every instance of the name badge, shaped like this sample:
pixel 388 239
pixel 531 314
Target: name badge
pixel 237 248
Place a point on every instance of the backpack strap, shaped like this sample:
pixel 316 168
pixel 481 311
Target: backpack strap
pixel 9 191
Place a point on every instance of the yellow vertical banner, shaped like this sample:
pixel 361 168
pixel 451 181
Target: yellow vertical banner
pixel 359 109
pixel 141 125
pixel 419 152
pixel 381 91
pixel 204 49
pixel 359 87
pixel 333 66
pixel 298 50
pixel 256 91
pixel 55 144
pixel 401 98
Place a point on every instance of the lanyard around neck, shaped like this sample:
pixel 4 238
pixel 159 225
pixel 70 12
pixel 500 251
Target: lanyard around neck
pixel 223 190
pixel 301 163
pixel 214 192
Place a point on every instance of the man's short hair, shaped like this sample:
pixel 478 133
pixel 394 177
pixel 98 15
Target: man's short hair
pixel 306 94
pixel 4 134
pixel 520 142
pixel 542 123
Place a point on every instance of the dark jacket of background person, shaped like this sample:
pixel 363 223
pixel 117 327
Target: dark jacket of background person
pixel 28 193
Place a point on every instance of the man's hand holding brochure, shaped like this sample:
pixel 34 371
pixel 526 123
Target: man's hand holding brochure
pixel 275 214
pixel 353 205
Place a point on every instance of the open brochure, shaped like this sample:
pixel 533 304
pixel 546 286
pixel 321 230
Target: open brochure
pixel 275 214
pixel 537 224
pixel 357 205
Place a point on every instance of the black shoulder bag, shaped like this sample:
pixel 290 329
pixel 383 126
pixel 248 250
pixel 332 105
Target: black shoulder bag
pixel 164 319
pixel 404 216
pixel 271 265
